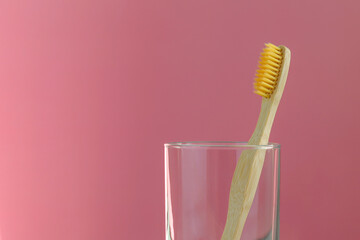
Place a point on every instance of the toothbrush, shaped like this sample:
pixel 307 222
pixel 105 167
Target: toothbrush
pixel 269 83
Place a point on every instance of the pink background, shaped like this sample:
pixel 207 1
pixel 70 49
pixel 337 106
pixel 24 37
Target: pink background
pixel 91 89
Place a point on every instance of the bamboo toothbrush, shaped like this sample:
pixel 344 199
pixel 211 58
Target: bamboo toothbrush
pixel 269 83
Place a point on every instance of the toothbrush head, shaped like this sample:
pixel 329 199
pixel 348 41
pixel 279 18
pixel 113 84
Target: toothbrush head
pixel 268 72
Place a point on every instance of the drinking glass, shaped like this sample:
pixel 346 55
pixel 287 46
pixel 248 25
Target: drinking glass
pixel 198 177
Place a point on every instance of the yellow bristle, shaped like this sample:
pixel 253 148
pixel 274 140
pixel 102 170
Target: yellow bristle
pixel 270 86
pixel 262 79
pixel 261 93
pixel 270 45
pixel 268 67
pixel 268 70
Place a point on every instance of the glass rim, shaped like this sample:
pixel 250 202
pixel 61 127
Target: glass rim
pixel 226 144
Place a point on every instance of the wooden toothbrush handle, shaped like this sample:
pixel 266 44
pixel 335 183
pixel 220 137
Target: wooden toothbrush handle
pixel 243 188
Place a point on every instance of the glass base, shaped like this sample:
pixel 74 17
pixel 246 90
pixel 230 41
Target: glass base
pixel 268 237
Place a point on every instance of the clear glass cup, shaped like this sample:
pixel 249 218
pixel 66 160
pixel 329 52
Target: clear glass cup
pixel 197 184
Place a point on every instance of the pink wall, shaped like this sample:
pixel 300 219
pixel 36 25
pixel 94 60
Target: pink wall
pixel 91 89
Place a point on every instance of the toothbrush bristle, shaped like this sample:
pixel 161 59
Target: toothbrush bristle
pixel 268 70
